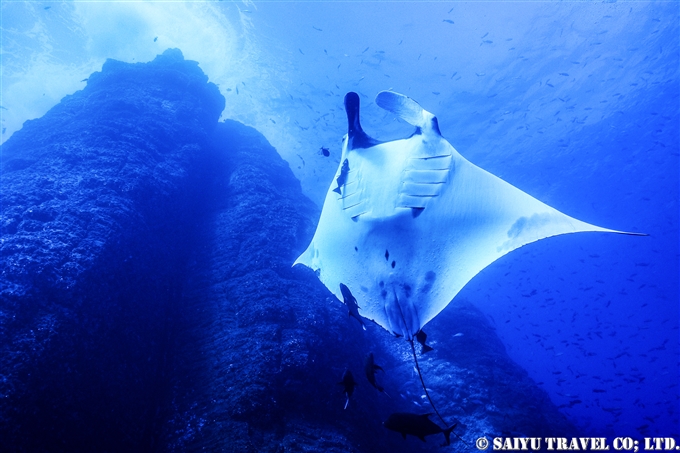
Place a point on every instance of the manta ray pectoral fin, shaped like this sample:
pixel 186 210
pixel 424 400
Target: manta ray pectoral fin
pixel 306 258
pixel 626 232
pixel 408 110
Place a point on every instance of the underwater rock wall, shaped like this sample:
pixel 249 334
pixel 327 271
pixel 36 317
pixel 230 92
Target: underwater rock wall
pixel 148 301
pixel 262 346
pixel 97 202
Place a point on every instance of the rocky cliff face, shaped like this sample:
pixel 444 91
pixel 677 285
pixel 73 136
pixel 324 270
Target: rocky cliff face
pixel 97 203
pixel 148 303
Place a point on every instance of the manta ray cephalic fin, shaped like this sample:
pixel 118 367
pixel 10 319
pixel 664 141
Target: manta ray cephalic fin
pixel 408 110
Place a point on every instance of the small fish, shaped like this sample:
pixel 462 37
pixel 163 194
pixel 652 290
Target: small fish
pixel 422 338
pixel 450 11
pixel 564 74
pixel 448 21
pixel 485 35
pixel 301 51
pixel 325 151
pixel 341 180
pixel 351 301
pixel 348 384
pixel 84 80
pixel 155 39
pixel 365 49
pixel 418 425
pixel 317 29
pixel 236 90
pixel 47 7
pixel 370 368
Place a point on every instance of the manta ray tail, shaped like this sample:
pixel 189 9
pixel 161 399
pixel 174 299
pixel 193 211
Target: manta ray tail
pixel 422 381
pixel 447 432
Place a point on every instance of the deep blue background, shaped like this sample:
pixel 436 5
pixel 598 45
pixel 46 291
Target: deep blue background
pixel 575 103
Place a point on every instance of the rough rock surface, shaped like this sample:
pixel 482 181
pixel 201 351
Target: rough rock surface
pixel 149 304
pixel 96 200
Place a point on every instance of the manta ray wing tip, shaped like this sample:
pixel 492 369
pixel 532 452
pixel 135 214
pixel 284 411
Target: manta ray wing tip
pixel 630 233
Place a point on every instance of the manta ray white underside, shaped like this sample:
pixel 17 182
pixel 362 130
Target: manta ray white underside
pixel 407 223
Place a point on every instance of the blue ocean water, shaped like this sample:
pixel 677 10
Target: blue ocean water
pixel 574 103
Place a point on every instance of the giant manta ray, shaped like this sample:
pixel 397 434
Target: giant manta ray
pixel 406 224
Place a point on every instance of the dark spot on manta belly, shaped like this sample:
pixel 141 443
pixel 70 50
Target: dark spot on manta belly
pixel 387 255
pixel 407 290
pixel 430 277
pixel 356 249
pixel 394 263
pixel 383 294
pixel 525 224
pixel 382 284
